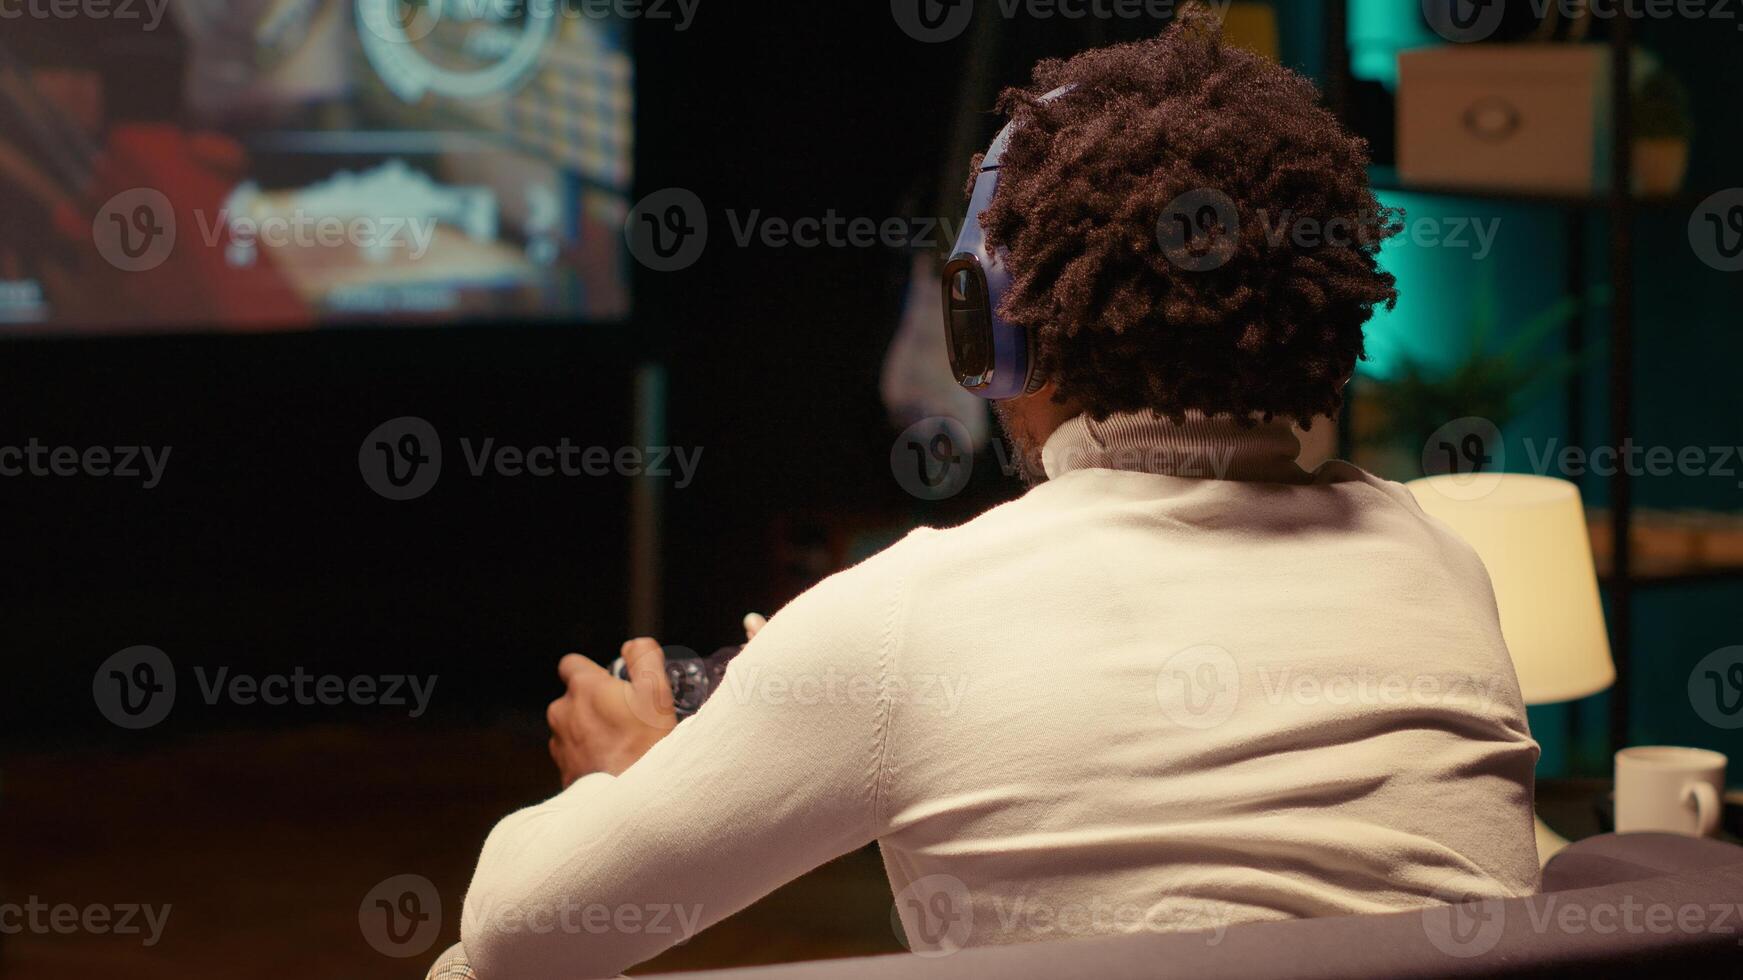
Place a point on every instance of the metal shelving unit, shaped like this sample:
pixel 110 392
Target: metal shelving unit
pixel 1618 206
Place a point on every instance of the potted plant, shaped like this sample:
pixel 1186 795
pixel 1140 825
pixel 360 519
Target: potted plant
pixel 1493 381
pixel 1662 127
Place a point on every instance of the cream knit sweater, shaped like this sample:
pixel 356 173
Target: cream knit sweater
pixel 1181 685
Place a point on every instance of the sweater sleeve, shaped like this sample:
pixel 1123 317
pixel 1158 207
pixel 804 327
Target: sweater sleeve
pixel 778 773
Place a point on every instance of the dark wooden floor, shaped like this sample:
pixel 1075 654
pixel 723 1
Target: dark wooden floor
pixel 265 845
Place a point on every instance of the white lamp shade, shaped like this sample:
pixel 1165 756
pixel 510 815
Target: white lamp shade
pixel 1531 533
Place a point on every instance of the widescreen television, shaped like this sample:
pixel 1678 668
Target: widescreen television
pixel 247 165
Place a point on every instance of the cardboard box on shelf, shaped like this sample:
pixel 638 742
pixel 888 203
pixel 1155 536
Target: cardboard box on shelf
pixel 1506 117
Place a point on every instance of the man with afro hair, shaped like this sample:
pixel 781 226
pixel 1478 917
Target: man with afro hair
pixel 1180 684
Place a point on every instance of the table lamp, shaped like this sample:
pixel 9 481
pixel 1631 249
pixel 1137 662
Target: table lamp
pixel 1531 533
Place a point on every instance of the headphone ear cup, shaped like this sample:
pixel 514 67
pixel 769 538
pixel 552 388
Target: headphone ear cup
pixel 1032 357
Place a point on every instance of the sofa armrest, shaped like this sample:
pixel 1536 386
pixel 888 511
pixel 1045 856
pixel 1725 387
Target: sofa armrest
pixel 1610 859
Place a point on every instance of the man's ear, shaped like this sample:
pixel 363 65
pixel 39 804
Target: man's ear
pixel 1039 413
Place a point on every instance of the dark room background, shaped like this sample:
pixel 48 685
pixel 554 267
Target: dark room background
pixel 265 550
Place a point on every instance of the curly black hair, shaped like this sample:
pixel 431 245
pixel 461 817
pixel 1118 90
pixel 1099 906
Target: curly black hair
pixel 1270 326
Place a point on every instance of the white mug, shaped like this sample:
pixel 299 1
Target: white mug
pixel 1669 789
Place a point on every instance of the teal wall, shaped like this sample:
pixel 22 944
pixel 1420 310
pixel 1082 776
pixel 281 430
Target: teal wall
pixel 1689 344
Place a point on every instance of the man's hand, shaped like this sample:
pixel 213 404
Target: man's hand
pixel 602 724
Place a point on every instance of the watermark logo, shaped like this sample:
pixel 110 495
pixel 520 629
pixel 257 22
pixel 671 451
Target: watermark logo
pixel 37 459
pixel 934 915
pixel 1471 925
pixel 932 21
pixel 1471 451
pixel 836 230
pixel 401 21
pixel 1466 925
pixel 936 21
pixel 933 458
pixel 148 12
pixel 39 918
pixel 401 459
pixel 1021 918
pixel 1200 230
pixel 1370 688
pixel 135 231
pixel 135 688
pixel 1716 688
pixel 571 916
pixel 1716 230
pixel 1634 459
pixel 1464 21
pixel 1453 233
pixel 940 694
pixel 401 917
pixel 1198 687
pixel 410 21
pixel 667 230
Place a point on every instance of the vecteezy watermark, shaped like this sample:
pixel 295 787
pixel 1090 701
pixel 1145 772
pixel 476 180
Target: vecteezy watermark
pixel 571 916
pixel 933 915
pixel 1716 688
pixel 749 683
pixel 1022 918
pixel 1452 233
pixel 137 230
pixel 1198 687
pixel 37 917
pixel 136 688
pixel 1201 686
pixel 1464 922
pixel 149 12
pixel 935 21
pixel 1473 451
pixel 1201 231
pixel 934 458
pixel 1464 21
pixel 242 234
pixel 835 230
pixel 143 463
pixel 401 916
pixel 936 916
pixel 407 21
pixel 1374 688
pixel 1635 460
pixel 667 230
pixel 1716 230
pixel 1471 21
pixel 1471 924
pixel 567 459
pixel 401 459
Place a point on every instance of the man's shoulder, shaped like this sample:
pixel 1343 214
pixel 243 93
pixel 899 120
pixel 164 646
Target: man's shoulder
pixel 1400 505
pixel 920 554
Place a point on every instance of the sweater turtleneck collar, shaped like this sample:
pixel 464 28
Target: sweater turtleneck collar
pixel 1201 448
